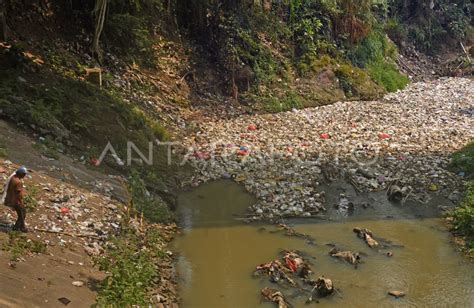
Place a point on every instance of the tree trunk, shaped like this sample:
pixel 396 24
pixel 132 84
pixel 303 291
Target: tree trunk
pixel 3 21
pixel 99 12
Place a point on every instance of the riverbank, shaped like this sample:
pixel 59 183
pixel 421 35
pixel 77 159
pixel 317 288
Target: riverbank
pixel 283 159
pixel 83 246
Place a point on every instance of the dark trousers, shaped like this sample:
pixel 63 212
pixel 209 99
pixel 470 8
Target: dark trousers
pixel 21 215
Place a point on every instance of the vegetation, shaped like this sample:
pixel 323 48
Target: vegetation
pixel 30 199
pixel 463 215
pixel 151 206
pixel 463 218
pixel 431 25
pixel 130 261
pixel 463 160
pixel 19 244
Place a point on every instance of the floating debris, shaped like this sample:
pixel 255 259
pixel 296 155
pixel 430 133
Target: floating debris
pixel 396 294
pixel 348 256
pixel 276 297
pixel 367 236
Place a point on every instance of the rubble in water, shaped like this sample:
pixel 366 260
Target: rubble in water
pixel 348 256
pixel 294 271
pixel 283 159
pixel 367 236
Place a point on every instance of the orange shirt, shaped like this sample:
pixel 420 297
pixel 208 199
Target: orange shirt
pixel 15 192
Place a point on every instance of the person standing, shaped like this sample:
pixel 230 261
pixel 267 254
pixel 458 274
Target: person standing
pixel 14 198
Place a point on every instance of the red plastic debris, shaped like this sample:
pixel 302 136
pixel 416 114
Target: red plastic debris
pixel 64 210
pixel 252 127
pixel 324 136
pixel 291 264
pixel 243 150
pixel 202 155
pixel 95 162
pixel 384 136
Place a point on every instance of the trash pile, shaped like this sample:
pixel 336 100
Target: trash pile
pixel 292 271
pixel 64 215
pixel 283 158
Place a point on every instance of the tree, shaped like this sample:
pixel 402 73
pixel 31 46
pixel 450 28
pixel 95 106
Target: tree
pixel 99 12
pixel 3 20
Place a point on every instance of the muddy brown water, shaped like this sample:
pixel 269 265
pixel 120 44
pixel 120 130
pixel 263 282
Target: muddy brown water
pixel 218 254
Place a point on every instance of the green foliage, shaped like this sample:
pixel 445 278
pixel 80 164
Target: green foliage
pixel 430 28
pixel 30 199
pixel 130 36
pixel 463 217
pixel 130 263
pixel 387 75
pixel 395 30
pixel 19 245
pixel 150 205
pixel 377 54
pixel 356 83
pixel 61 109
pixel 289 101
pixel 463 160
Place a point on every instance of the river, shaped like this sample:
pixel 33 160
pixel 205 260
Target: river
pixel 217 254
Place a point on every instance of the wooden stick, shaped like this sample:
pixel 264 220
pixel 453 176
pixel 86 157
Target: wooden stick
pixel 465 51
pixel 67 233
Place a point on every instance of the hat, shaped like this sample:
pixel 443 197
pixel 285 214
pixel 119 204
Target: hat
pixel 21 170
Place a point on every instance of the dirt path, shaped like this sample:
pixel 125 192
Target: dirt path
pixel 404 138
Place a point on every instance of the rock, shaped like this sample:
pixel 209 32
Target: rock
pixel 78 283
pixel 64 300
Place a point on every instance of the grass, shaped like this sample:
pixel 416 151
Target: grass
pixel 131 265
pixel 387 75
pixel 19 245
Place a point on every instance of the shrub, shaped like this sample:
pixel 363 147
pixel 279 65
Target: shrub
pixel 463 160
pixel 150 205
pixel 463 217
pixel 395 30
pixel 130 262
pixel 356 82
pixel 130 36
pixel 30 199
pixel 288 102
